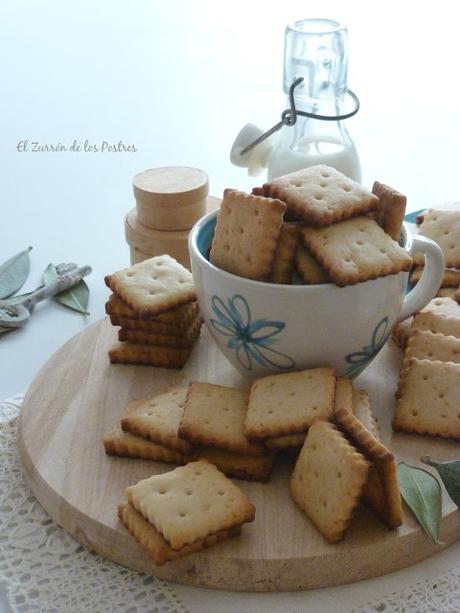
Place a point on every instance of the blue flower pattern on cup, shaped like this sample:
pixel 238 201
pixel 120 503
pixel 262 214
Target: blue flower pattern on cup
pixel 250 339
pixel 358 360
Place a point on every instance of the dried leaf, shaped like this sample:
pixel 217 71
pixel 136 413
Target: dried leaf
pixel 13 273
pixel 75 298
pixel 450 476
pixel 421 492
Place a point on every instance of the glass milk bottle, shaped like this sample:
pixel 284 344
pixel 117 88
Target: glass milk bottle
pixel 315 54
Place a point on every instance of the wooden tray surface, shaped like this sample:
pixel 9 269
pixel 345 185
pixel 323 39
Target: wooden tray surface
pixel 78 396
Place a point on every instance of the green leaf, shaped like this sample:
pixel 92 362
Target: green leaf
pixel 421 492
pixel 75 298
pixel 450 475
pixel 13 273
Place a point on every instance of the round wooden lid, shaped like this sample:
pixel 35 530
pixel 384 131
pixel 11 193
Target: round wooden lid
pixel 157 186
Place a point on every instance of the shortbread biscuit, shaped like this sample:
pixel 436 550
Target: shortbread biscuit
pixel 288 441
pixel 392 208
pixel 343 398
pixel 362 411
pixel 236 465
pixel 179 317
pixel 381 490
pixel 120 443
pixel 425 345
pixel 443 227
pixel 356 250
pixel 154 285
pixel 148 355
pixel 328 479
pixel 191 503
pixel 288 403
pixel 246 234
pixel 402 331
pixel 428 399
pixel 440 315
pixel 158 419
pixel 321 195
pixel 155 545
pixel 308 268
pixel 451 277
pixel 283 261
pixel 214 416
pixel 146 337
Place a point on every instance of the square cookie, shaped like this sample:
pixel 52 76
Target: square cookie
pixel 328 479
pixel 321 195
pixel 214 416
pixel 246 234
pixel 288 403
pixel 283 261
pixel 391 209
pixel 425 345
pixel 179 317
pixel 444 228
pixel 149 355
pixel 154 285
pixel 158 419
pixel 191 503
pixel 381 490
pixel 356 250
pixel 237 465
pixel 428 399
pixel 441 315
pixel 124 444
pixel 155 545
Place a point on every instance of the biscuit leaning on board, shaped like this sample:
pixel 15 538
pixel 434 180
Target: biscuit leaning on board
pixel 328 479
pixel 200 504
pixel 381 490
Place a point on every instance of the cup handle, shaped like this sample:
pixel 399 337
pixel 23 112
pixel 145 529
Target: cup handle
pixel 431 278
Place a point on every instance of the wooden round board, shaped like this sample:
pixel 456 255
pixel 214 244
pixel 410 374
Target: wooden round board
pixel 78 396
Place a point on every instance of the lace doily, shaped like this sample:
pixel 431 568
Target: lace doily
pixel 45 569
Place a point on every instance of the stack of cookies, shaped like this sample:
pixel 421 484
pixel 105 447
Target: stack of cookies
pixel 183 511
pixel 428 394
pixel 154 303
pixel 311 226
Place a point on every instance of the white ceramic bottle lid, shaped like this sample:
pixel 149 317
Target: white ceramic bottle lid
pixel 171 197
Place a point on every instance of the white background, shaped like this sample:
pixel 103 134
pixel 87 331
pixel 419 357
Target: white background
pixel 178 79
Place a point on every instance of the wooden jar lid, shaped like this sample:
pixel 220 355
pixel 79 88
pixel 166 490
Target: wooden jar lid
pixel 170 198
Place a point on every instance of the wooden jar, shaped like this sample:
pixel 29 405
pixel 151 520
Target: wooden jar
pixel 145 243
pixel 170 198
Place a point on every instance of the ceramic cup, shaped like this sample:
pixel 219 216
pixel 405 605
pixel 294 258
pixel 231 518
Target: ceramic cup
pixel 265 328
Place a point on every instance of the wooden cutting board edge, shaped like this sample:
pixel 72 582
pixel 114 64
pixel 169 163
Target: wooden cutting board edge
pixel 224 572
